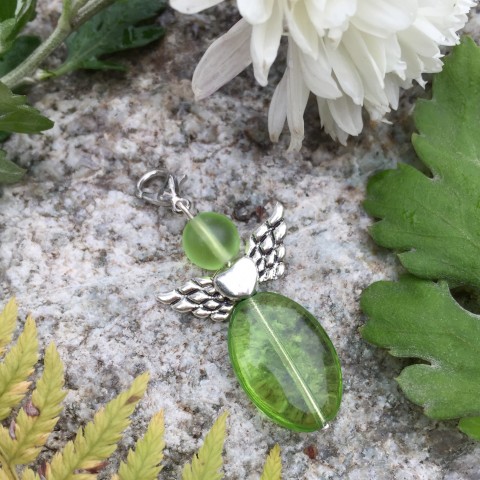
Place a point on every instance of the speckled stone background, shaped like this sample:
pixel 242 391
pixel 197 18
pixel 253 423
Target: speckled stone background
pixel 86 258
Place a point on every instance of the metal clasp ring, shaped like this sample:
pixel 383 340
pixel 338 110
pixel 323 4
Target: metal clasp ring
pixel 168 196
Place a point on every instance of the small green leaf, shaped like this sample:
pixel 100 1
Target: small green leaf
pixel 9 172
pixel 112 30
pixel 14 15
pixel 28 474
pixel 17 116
pixel 21 49
pixel 35 422
pixel 420 319
pixel 273 465
pixel 206 464
pixel 7 9
pixel 435 222
pixel 8 322
pixel 470 426
pixel 16 368
pixel 143 463
pixel 98 440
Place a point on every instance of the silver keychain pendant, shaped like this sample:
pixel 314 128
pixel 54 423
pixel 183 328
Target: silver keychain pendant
pixel 283 358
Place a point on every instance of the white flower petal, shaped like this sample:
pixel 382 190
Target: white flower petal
pixel 393 53
pixel 315 9
pixel 430 30
pixel 338 12
pixel 264 44
pixel 364 60
pixel 418 41
pixel 415 66
pixel 297 97
pixel 301 29
pixel 382 18
pixel 444 20
pixel 351 54
pixel 317 75
pixel 431 65
pixel 377 112
pixel 277 113
pixel 346 115
pixel 327 15
pixel 224 59
pixel 193 6
pixel 256 11
pixel 345 72
pixel 392 90
pixel 329 124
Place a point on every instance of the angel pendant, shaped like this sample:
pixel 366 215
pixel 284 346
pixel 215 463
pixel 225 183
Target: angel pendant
pixel 281 355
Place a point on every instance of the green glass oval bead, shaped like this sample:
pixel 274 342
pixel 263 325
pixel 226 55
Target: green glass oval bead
pixel 210 240
pixel 285 361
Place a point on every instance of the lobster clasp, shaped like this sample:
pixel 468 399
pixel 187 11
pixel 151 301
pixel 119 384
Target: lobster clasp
pixel 168 195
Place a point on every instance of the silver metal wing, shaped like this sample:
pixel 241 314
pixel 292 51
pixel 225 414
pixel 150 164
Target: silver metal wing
pixel 266 247
pixel 200 297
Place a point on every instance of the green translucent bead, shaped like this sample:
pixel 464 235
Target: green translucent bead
pixel 210 240
pixel 285 361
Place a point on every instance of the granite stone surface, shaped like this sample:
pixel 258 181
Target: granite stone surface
pixel 86 258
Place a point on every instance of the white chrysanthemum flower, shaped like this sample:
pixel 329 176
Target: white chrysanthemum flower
pixel 349 53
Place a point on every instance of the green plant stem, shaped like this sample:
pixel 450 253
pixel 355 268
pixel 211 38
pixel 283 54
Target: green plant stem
pixel 90 10
pixel 73 16
pixel 30 64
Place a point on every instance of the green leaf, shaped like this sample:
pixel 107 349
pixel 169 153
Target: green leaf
pixel 9 172
pixel 17 116
pixel 144 462
pixel 98 440
pixel 14 15
pixel 4 136
pixel 7 9
pixel 28 474
pixel 21 49
pixel 273 465
pixel 206 464
pixel 8 321
pixel 112 30
pixel 35 422
pixel 417 318
pixel 435 221
pixel 16 368
pixel 470 426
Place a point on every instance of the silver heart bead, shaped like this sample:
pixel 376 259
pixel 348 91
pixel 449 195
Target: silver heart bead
pixel 238 281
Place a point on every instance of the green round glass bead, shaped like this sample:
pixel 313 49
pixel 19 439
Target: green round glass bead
pixel 285 361
pixel 210 240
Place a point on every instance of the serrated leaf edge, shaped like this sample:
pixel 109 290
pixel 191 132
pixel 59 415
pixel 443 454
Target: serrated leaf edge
pixel 207 462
